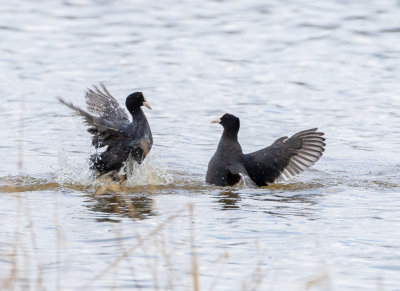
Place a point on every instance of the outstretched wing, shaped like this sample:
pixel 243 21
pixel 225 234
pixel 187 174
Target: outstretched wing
pixel 104 104
pixel 105 131
pixel 286 157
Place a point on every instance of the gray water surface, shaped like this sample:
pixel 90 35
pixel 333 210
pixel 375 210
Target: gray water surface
pixel 281 66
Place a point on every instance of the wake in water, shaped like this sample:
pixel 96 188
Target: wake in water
pixel 153 175
pixel 74 173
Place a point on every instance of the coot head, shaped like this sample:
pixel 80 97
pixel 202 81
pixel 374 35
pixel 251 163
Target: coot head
pixel 230 122
pixel 136 100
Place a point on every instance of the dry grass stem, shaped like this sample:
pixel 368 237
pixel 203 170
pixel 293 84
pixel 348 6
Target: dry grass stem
pixel 127 252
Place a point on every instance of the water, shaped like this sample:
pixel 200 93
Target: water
pixel 280 67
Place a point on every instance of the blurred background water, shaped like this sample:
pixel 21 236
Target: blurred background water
pixel 280 66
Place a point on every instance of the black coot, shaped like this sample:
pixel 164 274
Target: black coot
pixel 111 128
pixel 283 159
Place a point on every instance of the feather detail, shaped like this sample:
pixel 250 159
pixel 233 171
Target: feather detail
pixel 311 149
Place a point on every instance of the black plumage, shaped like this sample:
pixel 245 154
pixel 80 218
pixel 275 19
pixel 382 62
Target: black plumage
pixel 283 159
pixel 110 128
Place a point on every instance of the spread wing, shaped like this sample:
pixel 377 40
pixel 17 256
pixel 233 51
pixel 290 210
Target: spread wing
pixel 286 157
pixel 102 103
pixel 106 132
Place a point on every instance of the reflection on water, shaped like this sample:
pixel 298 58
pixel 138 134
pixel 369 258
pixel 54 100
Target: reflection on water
pixel 228 200
pixel 293 205
pixel 133 206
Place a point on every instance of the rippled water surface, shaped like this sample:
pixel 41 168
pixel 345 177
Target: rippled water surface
pixel 281 66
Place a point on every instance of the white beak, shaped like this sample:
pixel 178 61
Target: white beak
pixel 145 103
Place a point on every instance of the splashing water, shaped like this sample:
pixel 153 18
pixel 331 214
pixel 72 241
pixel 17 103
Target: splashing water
pixel 151 172
pixel 71 171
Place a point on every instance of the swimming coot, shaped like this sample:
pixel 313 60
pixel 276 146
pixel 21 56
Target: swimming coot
pixel 283 159
pixel 110 128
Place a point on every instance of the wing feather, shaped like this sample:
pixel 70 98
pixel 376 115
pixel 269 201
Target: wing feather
pixel 286 157
pixel 312 148
pixel 108 122
pixel 92 120
pixel 104 104
pixel 104 131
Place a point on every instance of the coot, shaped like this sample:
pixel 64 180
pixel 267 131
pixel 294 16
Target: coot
pixel 111 128
pixel 283 159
